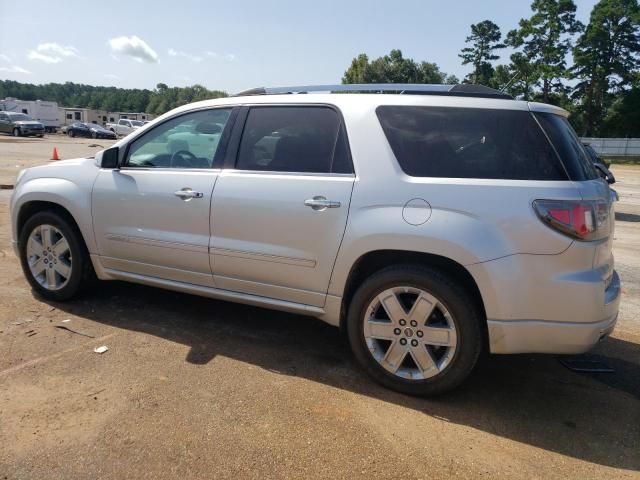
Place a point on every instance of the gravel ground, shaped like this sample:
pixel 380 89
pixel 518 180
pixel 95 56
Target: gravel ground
pixel 198 388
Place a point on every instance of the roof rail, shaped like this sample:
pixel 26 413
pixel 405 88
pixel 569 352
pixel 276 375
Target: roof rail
pixel 460 90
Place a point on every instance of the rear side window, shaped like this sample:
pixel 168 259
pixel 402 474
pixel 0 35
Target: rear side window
pixel 293 139
pixel 469 143
pixel 568 146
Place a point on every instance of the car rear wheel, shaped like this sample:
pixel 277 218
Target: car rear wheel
pixel 94 135
pixel 16 132
pixel 415 330
pixel 71 133
pixel 54 258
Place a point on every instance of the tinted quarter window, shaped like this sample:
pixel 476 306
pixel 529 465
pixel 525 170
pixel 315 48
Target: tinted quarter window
pixel 291 139
pixel 568 146
pixel 469 143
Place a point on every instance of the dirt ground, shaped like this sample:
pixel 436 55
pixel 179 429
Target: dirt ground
pixel 197 388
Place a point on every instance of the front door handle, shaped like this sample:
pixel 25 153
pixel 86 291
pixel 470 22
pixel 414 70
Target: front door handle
pixel 319 203
pixel 187 194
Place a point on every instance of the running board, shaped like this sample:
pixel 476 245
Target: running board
pixel 216 293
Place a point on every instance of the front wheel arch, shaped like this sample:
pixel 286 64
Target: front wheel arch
pixel 31 208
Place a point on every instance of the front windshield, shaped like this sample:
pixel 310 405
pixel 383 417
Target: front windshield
pixel 19 117
pixel 137 123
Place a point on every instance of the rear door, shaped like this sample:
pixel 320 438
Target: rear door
pixel 279 214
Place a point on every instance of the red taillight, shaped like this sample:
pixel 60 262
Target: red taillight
pixel 581 219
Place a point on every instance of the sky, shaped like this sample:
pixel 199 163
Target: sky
pixel 235 45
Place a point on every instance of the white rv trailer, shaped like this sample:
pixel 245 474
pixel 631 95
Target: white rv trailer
pixel 42 111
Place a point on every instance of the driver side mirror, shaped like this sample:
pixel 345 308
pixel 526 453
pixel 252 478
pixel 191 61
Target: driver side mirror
pixel 110 158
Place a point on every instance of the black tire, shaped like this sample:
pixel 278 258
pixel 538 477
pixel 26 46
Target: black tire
pixel 82 270
pixel 94 135
pixel 71 133
pixel 17 132
pixel 466 316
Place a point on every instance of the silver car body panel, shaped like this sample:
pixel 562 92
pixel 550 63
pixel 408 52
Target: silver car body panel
pixel 252 239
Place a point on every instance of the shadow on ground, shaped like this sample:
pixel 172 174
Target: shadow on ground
pixel 526 398
pixel 627 217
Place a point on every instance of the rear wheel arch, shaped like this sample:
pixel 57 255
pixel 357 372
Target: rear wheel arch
pixel 374 261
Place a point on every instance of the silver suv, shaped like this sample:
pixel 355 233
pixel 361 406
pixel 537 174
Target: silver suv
pixel 430 222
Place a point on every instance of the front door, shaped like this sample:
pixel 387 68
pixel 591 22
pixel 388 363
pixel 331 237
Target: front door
pixel 151 217
pixel 278 217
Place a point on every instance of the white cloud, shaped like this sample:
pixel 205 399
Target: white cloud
pixel 230 57
pixel 14 69
pixel 8 66
pixel 176 53
pixel 133 47
pixel 33 55
pixel 52 52
pixel 111 76
pixel 211 54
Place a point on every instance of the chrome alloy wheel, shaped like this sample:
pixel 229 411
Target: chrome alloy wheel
pixel 49 257
pixel 410 333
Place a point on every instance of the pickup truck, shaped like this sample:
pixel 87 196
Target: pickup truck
pixel 124 126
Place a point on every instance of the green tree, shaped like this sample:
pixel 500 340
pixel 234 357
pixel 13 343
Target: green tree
pixel 519 79
pixel 545 41
pixel 606 59
pixel 485 40
pixel 394 68
pixel 623 117
pixel 111 99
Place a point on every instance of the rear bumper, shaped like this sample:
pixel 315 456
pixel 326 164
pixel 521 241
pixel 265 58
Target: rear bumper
pixel 537 336
pixel 546 337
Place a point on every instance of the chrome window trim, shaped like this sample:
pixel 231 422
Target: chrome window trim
pixel 288 174
pixel 169 169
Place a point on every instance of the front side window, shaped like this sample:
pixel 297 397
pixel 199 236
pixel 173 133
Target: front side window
pixel 469 143
pixel 187 141
pixel 293 139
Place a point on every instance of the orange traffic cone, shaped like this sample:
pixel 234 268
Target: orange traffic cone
pixel 55 154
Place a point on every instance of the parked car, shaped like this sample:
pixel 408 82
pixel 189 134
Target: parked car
pixel 124 126
pixel 19 125
pixel 430 227
pixel 91 130
pixel 600 164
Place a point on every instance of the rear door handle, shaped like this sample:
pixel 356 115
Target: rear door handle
pixel 187 194
pixel 320 203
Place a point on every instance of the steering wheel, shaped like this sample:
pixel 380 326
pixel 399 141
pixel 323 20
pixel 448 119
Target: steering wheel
pixel 185 155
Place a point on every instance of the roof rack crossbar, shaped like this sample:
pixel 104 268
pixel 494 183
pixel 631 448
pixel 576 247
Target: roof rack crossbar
pixel 463 90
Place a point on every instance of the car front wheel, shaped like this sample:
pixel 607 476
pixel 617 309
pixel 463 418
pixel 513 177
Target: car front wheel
pixel 415 330
pixel 16 132
pixel 53 256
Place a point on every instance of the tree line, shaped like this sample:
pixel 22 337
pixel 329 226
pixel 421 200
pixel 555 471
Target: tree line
pixel 157 101
pixel 601 86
